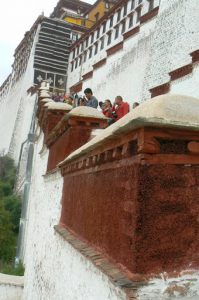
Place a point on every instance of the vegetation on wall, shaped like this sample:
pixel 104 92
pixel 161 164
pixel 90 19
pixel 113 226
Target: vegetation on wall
pixel 10 211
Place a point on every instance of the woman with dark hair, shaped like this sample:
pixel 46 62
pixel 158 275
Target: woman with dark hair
pixel 107 111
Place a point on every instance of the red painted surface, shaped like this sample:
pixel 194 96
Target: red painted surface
pixel 144 217
pixel 71 140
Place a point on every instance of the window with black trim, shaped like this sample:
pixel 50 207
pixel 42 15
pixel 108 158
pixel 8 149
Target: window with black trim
pixel 123 26
pixel 116 31
pixel 98 33
pixel 111 21
pixel 109 38
pixel 131 20
pixel 96 48
pixel 102 43
pixel 132 4
pixel 138 10
pixel 90 52
pixel 125 10
pixel 104 27
pixel 85 56
pixel 151 4
pixel 76 63
pixel 118 15
pixel 92 37
pixel 80 60
pixel 72 66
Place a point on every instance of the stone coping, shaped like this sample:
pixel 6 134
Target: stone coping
pixel 165 111
pixel 11 280
pixel 87 112
pixel 45 100
pixel 58 106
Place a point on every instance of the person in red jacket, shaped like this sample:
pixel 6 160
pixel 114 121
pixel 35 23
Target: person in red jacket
pixel 120 108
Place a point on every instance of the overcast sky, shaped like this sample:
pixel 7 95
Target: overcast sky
pixel 17 16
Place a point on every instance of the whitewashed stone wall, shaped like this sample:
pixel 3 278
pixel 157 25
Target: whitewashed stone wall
pixel 176 36
pixel 16 112
pixel 123 74
pixel 54 270
pixel 11 287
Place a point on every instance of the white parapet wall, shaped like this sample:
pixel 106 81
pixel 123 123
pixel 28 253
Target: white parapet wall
pixel 11 287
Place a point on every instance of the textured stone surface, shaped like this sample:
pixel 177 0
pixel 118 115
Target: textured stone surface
pixel 56 270
pixel 11 287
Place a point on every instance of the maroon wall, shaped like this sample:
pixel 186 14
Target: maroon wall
pixel 71 140
pixel 143 217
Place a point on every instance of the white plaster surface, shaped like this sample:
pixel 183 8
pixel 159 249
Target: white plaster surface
pixel 183 287
pixel 11 287
pixel 16 111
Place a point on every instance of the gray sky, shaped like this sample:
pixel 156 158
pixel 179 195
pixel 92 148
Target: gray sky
pixel 16 18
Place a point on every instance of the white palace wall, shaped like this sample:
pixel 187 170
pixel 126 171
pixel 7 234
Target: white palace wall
pixel 54 270
pixel 17 111
pixel 123 74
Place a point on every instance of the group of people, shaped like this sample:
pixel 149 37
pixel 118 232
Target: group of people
pixel 113 112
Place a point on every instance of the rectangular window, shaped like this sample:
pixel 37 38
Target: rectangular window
pixel 73 54
pixel 151 5
pixel 86 43
pixel 76 63
pixel 98 33
pixel 125 10
pixel 102 44
pixel 85 56
pixel 72 66
pixel 96 48
pixel 111 21
pixel 123 26
pixel 131 20
pixel 80 60
pixel 109 38
pixel 92 38
pixel 90 52
pixel 104 27
pixel 118 15
pixel 116 31
pixel 138 15
pixel 139 1
pixel 132 4
pixel 77 50
pixel 82 47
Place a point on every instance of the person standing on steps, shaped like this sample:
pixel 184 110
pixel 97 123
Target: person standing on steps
pixel 91 100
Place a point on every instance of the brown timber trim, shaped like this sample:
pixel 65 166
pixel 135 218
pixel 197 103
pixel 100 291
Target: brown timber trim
pixel 76 88
pixel 87 75
pixel 160 90
pixel 131 32
pixel 181 72
pixel 115 49
pixel 99 64
pixel 128 283
pixel 195 56
pixel 151 14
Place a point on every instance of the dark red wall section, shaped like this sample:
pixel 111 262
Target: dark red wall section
pixel 144 217
pixel 71 140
